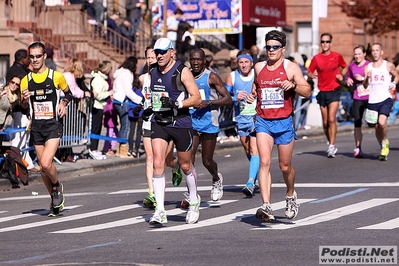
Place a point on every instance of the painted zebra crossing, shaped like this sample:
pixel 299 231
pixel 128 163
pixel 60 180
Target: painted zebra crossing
pixel 23 223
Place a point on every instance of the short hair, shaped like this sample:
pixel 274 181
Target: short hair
pixel 20 54
pixel 326 34
pixel 50 52
pixel 149 47
pixel 245 51
pixel 198 50
pixel 179 12
pixel 276 36
pixel 35 45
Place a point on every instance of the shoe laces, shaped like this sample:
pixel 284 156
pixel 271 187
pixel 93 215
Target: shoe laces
pixel 291 202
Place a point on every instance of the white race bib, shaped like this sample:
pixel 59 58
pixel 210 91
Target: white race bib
pixel 271 98
pixel 156 100
pixel 43 110
pixel 371 116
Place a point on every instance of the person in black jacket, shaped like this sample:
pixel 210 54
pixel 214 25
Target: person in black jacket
pixel 20 66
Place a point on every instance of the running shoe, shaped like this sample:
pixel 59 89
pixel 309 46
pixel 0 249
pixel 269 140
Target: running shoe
pixel 217 189
pixel 176 176
pixel 384 150
pixel 149 201
pixel 57 195
pixel 55 211
pixel 332 150
pixel 193 211
pixel 291 207
pixel 159 217
pixel 248 190
pixel 358 153
pixel 265 213
pixel 185 203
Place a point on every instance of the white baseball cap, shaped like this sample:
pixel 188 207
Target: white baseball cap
pixel 163 44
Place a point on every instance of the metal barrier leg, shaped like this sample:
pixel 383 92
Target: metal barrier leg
pixel 58 161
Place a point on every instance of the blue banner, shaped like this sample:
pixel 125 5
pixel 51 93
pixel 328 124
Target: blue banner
pixel 206 16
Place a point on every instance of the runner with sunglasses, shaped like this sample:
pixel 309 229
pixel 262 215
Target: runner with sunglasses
pixel 276 82
pixel 329 68
pixel 39 89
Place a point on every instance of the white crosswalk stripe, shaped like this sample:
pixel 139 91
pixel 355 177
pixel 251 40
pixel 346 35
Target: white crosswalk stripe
pixel 21 221
pixel 136 220
pixel 330 215
pixel 391 224
pixel 226 218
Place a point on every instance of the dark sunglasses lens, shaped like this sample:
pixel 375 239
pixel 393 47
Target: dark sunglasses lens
pixel 32 56
pixel 325 41
pixel 161 52
pixel 274 47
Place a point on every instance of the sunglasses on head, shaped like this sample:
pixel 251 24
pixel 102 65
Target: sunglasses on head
pixel 15 83
pixel 325 41
pixel 37 56
pixel 161 52
pixel 274 47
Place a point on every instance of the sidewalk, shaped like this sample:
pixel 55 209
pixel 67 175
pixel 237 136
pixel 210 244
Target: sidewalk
pixel 88 166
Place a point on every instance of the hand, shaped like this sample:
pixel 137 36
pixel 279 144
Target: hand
pixel 147 113
pixel 250 98
pixel 167 102
pixel 137 109
pixel 349 82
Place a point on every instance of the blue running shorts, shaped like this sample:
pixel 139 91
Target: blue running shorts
pixel 281 130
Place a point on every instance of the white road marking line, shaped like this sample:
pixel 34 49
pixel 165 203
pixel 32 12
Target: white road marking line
pixel 329 215
pixel 224 219
pixel 56 220
pixel 282 185
pixel 41 212
pixel 48 196
pixel 136 220
pixel 391 224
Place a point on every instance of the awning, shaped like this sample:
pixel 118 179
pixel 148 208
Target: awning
pixel 265 13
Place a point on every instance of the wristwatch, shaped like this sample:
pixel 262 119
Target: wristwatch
pixel 177 104
pixel 210 103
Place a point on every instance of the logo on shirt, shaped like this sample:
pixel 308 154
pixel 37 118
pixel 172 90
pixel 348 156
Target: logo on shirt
pixel 159 80
pixel 49 91
pixel 40 92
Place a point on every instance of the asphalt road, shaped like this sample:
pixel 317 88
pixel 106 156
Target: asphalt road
pixel 344 202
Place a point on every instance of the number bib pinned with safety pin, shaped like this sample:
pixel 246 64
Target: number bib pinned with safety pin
pixel 371 116
pixel 271 98
pixel 43 110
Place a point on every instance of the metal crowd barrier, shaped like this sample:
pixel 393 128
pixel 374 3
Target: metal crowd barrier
pixel 77 123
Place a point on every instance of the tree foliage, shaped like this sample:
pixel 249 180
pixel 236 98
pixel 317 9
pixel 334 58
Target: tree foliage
pixel 380 16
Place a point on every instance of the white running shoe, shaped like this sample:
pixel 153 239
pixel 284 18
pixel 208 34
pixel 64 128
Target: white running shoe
pixel 217 189
pixel 193 211
pixel 291 207
pixel 332 150
pixel 265 213
pixel 159 217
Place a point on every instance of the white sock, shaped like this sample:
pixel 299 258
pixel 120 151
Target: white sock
pixel 191 180
pixel 159 185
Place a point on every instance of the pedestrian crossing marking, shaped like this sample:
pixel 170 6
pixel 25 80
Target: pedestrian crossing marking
pixel 138 219
pixel 30 214
pixel 276 185
pixel 69 218
pixel 46 196
pixel 225 219
pixel 391 224
pixel 329 215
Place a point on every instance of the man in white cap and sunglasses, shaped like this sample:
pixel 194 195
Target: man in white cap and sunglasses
pixel 173 91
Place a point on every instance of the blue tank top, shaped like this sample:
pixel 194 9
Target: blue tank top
pixel 166 85
pixel 243 112
pixel 206 120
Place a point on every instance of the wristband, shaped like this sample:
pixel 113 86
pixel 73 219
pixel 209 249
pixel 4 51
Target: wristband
pixel 180 104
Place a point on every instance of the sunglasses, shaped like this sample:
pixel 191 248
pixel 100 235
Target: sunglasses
pixel 325 41
pixel 37 56
pixel 274 47
pixel 161 52
pixel 13 82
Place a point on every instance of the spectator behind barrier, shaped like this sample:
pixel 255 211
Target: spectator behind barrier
pixel 20 66
pixel 100 87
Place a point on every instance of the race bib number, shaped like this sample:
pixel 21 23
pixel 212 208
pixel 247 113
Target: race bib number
pixel 156 100
pixel 247 108
pixel 371 116
pixel 43 110
pixel 271 98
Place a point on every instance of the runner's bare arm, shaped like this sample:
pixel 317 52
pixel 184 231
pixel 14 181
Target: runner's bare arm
pixel 188 80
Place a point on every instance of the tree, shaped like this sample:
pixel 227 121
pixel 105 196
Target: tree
pixel 380 16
